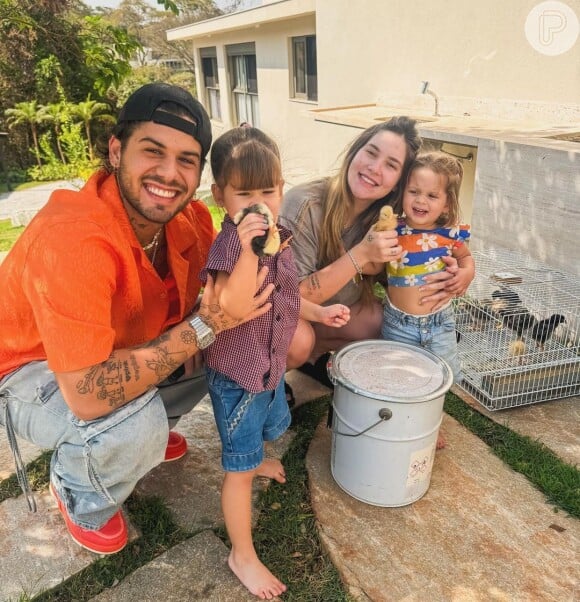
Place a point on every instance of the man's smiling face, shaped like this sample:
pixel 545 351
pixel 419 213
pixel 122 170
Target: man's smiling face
pixel 158 171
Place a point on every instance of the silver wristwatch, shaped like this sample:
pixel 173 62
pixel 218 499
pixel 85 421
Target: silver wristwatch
pixel 205 335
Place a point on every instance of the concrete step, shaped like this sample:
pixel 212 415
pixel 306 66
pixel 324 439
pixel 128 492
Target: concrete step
pixel 195 569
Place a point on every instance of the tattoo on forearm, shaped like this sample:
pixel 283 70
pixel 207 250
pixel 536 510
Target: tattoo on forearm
pixel 127 371
pixel 135 366
pixel 188 337
pixel 165 363
pixel 313 282
pixel 106 380
pixel 87 384
pixel 109 378
pixel 162 338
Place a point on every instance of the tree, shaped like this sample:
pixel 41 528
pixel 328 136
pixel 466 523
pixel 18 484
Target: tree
pixel 87 111
pixel 107 51
pixel 54 51
pixel 150 25
pixel 56 113
pixel 27 113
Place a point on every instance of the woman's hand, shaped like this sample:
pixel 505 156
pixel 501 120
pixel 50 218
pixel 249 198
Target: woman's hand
pixel 443 286
pixel 214 315
pixel 379 247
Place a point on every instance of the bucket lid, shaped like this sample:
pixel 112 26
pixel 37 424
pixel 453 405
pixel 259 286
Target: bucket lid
pixel 391 371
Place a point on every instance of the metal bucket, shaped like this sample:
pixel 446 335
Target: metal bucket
pixel 387 410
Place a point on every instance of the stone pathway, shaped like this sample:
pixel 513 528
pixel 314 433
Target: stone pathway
pixel 21 206
pixel 480 533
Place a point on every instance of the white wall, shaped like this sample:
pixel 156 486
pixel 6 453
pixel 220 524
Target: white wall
pixel 307 148
pixel 469 50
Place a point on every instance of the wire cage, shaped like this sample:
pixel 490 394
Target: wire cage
pixel 518 328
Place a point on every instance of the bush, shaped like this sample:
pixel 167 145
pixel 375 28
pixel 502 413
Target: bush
pixel 75 149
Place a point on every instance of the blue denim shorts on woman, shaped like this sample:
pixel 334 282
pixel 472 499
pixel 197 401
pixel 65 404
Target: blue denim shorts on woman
pixel 245 420
pixel 435 332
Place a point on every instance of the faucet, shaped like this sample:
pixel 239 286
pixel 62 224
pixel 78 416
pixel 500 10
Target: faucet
pixel 426 90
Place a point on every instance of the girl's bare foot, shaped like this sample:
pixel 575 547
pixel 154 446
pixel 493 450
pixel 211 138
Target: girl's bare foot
pixel 256 577
pixel 272 469
pixel 441 442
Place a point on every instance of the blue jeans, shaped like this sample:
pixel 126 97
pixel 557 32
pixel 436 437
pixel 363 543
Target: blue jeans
pixel 435 332
pixel 245 420
pixel 96 463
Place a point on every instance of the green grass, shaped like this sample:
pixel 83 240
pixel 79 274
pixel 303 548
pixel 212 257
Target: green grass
pixel 8 234
pixel 557 480
pixel 286 536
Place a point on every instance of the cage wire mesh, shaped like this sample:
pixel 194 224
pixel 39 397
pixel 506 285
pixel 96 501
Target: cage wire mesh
pixel 519 331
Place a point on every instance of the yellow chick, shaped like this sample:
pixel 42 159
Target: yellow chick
pixel 387 219
pixel 517 349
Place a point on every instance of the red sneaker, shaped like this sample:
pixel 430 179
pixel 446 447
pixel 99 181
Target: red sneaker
pixel 109 539
pixel 176 447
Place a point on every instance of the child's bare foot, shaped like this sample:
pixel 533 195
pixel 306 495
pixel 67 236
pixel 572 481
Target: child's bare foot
pixel 272 469
pixel 256 577
pixel 441 442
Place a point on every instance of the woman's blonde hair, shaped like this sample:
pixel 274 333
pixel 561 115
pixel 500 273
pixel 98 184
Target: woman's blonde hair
pixel 339 200
pixel 445 165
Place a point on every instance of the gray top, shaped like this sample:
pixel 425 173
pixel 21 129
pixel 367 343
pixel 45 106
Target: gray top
pixel 302 212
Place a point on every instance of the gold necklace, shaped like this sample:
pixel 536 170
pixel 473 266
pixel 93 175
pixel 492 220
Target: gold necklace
pixel 154 241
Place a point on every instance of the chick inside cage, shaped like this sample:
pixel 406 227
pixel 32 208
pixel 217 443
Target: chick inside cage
pixel 518 330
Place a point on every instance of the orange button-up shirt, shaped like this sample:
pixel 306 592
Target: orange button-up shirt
pixel 77 284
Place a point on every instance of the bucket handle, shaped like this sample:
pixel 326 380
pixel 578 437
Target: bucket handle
pixel 384 415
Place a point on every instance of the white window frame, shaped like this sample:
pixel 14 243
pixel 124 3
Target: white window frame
pixel 243 71
pixel 211 84
pixel 304 68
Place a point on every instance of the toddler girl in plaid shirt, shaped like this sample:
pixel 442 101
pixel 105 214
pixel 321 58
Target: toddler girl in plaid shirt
pixel 246 364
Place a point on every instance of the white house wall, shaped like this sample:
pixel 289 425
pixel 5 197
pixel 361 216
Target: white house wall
pixel 471 52
pixel 307 147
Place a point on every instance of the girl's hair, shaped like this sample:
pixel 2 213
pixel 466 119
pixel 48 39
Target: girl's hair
pixel 445 165
pixel 339 200
pixel 246 158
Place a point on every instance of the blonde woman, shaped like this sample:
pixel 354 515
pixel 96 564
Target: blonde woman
pixel 337 251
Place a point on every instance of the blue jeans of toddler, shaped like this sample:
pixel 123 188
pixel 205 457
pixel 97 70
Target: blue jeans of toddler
pixel 435 332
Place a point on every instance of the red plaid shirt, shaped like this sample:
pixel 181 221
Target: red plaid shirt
pixel 254 353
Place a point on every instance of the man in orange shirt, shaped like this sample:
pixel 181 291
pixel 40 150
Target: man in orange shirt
pixel 98 335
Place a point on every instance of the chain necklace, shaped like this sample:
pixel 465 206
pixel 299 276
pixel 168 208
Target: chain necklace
pixel 154 241
pixel 154 244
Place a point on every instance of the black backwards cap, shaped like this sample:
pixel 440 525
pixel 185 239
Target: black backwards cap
pixel 143 105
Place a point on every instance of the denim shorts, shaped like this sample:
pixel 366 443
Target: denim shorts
pixel 435 332
pixel 245 420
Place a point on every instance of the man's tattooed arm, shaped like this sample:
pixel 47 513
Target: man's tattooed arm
pixel 126 374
